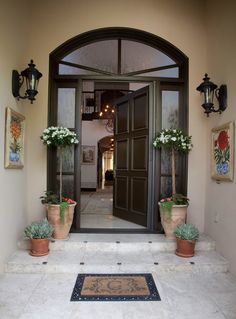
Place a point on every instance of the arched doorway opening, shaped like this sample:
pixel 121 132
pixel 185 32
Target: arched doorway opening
pixel 125 60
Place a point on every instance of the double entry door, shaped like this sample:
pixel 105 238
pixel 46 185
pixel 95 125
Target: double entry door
pixel 133 174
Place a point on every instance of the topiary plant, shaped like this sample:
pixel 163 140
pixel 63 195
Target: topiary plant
pixel 39 230
pixel 186 232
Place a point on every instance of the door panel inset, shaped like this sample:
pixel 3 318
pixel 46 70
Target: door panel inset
pixel 122 150
pixel 122 118
pixel 140 113
pixel 139 153
pixel 121 196
pixel 139 198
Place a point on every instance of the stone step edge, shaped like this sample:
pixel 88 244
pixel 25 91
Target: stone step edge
pixel 22 262
pixel 74 268
pixel 170 245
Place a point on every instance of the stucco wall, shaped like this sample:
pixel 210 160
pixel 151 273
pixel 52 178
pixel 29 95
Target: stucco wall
pixel 12 181
pixel 179 22
pixel 50 24
pixel 220 198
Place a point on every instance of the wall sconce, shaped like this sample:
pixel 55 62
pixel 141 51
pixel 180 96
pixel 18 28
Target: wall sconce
pixel 31 76
pixel 208 88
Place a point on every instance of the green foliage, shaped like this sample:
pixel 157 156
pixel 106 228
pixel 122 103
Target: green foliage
pixel 222 155
pixel 187 232
pixel 63 206
pixel 180 199
pixel 166 209
pixel 39 230
pixel 50 197
pixel 175 138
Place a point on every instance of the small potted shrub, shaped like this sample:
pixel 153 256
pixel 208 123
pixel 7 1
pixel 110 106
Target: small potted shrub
pixel 186 237
pixel 39 233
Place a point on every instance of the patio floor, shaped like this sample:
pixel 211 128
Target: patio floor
pixel 40 287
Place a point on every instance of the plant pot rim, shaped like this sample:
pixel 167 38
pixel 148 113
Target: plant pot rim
pixel 47 204
pixel 159 203
pixel 189 240
pixel 42 238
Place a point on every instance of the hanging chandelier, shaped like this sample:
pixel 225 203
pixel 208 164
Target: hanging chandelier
pixel 109 115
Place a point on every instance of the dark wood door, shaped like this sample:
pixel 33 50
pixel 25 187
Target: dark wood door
pixel 131 157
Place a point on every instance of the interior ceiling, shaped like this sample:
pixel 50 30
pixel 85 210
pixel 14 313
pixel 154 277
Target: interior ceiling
pixel 106 143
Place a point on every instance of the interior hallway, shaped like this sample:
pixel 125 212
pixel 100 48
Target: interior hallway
pixel 97 211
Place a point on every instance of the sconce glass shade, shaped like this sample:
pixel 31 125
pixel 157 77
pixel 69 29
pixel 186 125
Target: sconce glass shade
pixel 31 76
pixel 208 89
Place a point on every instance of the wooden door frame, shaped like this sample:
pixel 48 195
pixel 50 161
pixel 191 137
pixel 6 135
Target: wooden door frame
pixel 155 85
pixel 120 33
pixel 150 207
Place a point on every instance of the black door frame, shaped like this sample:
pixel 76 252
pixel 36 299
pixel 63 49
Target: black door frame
pixel 129 34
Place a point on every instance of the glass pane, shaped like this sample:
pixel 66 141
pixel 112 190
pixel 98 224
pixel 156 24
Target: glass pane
pixel 166 186
pixel 101 55
pixel 67 160
pixel 66 107
pixel 88 86
pixel 168 73
pixel 170 109
pixel 67 185
pixel 138 56
pixel 70 70
pixel 166 162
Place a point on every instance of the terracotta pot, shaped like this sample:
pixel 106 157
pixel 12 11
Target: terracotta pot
pixel 39 247
pixel 170 220
pixel 61 227
pixel 185 248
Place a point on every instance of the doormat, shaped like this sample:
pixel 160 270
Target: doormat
pixel 115 287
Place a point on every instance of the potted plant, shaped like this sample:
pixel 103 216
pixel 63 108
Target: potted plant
pixel 186 237
pixel 60 210
pixel 39 233
pixel 173 209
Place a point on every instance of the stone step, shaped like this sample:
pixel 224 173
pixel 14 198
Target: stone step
pixel 87 261
pixel 120 243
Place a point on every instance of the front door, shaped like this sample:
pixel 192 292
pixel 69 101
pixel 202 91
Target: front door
pixel 131 136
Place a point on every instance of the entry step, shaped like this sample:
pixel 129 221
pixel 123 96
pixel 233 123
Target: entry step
pixel 87 261
pixel 121 243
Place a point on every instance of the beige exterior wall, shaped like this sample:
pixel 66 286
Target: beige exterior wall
pixel 220 198
pixel 12 182
pixel 179 22
pixel 182 23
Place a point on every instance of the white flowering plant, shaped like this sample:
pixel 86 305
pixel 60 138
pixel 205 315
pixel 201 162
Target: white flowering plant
pixel 173 138
pixel 177 141
pixel 60 137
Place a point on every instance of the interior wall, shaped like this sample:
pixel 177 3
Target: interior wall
pixel 179 22
pixel 220 218
pixel 92 132
pixel 13 181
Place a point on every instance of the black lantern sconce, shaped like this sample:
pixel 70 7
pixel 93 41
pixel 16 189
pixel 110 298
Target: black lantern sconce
pixel 208 89
pixel 31 76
